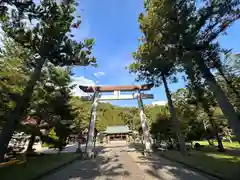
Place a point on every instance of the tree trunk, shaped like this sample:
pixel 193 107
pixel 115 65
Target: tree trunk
pixel 220 144
pixel 210 142
pixel 229 139
pixel 228 134
pixel 216 133
pixel 207 135
pixel 176 122
pixel 141 138
pixel 32 138
pixel 94 143
pixel 221 98
pixel 215 129
pixel 31 143
pixel 229 83
pixel 200 94
pixel 13 117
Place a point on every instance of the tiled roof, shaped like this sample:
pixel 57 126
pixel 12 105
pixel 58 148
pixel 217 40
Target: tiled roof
pixel 117 129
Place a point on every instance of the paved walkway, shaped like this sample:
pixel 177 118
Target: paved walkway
pixel 115 163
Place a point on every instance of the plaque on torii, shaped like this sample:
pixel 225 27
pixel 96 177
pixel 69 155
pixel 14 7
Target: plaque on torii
pixel 96 90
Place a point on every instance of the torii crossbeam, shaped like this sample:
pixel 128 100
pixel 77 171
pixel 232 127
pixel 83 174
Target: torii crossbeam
pixel 117 96
pixel 128 88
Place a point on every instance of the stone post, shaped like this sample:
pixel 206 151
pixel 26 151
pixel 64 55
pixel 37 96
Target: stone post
pixel 91 129
pixel 146 135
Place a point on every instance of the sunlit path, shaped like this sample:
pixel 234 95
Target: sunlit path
pixel 69 148
pixel 116 162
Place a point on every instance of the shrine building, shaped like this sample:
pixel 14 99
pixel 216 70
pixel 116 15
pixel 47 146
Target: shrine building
pixel 117 133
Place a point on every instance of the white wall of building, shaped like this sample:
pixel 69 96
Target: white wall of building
pixel 160 103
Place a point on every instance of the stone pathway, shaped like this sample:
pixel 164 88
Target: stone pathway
pixel 115 163
pixel 112 163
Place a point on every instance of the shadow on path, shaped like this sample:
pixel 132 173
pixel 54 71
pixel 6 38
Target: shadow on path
pixel 161 168
pixel 107 164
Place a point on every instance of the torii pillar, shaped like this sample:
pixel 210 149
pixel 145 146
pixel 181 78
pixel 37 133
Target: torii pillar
pixel 96 90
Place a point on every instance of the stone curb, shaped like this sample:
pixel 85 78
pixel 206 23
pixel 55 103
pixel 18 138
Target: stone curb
pixel 194 168
pixel 55 169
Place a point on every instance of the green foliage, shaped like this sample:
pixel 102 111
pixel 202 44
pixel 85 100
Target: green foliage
pixel 52 134
pixel 162 127
pixel 51 95
pixel 49 37
pixel 43 30
pixel 130 117
pixel 233 97
pixel 179 36
pixel 81 111
pixel 13 74
pixel 232 63
pixel 107 114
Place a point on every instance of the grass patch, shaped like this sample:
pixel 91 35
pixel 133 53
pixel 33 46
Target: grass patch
pixel 220 164
pixel 35 166
pixel 223 164
pixel 228 145
pixel 48 145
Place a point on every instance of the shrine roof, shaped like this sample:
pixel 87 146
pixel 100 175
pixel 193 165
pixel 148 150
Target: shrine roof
pixel 117 129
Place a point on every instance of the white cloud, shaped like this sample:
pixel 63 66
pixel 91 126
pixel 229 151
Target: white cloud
pixel 81 80
pixel 98 74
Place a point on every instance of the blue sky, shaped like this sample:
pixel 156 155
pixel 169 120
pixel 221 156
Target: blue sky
pixel 113 24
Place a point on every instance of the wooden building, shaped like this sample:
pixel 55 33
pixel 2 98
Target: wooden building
pixel 117 133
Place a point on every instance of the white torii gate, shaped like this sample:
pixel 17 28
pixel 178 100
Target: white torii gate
pixel 96 90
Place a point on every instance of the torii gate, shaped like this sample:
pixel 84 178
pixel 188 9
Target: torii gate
pixel 116 96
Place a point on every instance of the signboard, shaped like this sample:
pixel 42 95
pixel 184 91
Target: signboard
pixel 30 120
